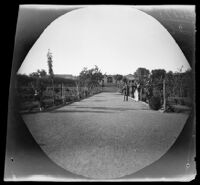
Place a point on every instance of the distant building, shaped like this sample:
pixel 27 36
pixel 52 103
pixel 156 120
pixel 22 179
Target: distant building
pixel 109 79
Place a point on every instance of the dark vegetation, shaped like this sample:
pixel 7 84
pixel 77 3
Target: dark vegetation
pixel 40 89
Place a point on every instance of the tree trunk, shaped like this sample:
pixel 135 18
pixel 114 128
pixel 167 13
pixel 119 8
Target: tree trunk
pixel 77 89
pixel 61 94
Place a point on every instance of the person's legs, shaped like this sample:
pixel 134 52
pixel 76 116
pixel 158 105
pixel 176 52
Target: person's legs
pixel 39 105
pixel 126 97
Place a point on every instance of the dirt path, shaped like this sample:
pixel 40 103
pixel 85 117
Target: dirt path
pixel 104 137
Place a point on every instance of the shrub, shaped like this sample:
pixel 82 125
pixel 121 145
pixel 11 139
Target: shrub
pixel 58 101
pixel 155 102
pixel 169 107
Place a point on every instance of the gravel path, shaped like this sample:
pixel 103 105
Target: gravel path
pixel 103 137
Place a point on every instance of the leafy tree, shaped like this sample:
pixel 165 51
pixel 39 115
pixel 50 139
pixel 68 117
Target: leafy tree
pixel 183 83
pixel 118 77
pixel 142 75
pixel 157 75
pixel 124 79
pixel 170 83
pixel 39 74
pixel 23 80
pixel 156 78
pixel 90 77
pixel 34 75
pixel 42 73
pixel 188 83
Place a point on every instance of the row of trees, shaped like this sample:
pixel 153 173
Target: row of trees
pixel 176 84
pixel 87 83
pixel 166 85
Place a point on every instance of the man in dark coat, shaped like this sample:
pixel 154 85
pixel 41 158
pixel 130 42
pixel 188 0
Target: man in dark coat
pixel 126 92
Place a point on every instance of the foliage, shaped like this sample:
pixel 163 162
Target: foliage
pixel 156 81
pixel 118 77
pixel 90 77
pixel 155 102
pixel 24 80
pixel 142 75
pixel 188 83
pixel 68 82
pixel 180 84
pixel 157 75
pixel 39 74
pixel 124 79
pixel 50 65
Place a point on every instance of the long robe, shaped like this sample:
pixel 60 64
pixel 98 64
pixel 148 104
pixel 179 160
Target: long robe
pixel 136 95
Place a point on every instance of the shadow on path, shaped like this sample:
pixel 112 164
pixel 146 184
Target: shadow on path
pixel 80 111
pixel 112 108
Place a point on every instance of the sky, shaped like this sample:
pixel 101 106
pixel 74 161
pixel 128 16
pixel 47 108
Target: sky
pixel 118 39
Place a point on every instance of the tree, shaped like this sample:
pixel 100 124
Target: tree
pixel 51 74
pixel 141 75
pixel 90 77
pixel 42 73
pixel 38 74
pixel 118 77
pixel 34 75
pixel 157 75
pixel 124 79
pixel 180 76
pixel 23 80
pixel 50 63
pixel 38 79
pixel 170 83
pixel 188 83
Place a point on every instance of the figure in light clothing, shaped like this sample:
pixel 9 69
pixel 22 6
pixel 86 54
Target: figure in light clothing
pixel 136 94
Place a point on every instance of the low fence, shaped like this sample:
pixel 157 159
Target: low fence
pixel 180 101
pixel 61 95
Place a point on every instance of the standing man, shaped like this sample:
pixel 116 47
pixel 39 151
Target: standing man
pixel 124 91
pixel 127 91
pixel 133 88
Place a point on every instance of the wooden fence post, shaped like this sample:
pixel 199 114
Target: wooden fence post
pixel 164 95
pixel 77 90
pixel 53 91
pixel 61 94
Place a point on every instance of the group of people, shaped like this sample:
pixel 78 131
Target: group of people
pixel 126 91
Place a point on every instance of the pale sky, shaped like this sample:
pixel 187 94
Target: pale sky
pixel 118 39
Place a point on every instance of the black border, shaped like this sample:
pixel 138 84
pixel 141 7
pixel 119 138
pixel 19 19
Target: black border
pixel 9 28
